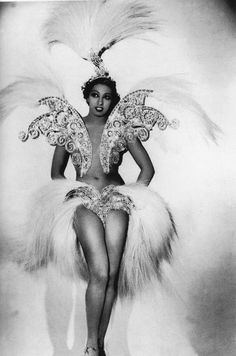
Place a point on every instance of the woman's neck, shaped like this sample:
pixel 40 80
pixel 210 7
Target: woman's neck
pixel 95 119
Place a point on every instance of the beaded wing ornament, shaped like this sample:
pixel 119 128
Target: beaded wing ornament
pixel 64 126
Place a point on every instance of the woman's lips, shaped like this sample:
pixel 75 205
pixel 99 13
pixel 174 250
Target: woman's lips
pixel 99 108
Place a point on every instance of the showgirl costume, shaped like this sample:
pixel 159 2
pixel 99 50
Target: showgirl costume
pixel 90 28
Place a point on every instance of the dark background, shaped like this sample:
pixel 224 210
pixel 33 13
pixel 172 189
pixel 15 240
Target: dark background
pixel 231 4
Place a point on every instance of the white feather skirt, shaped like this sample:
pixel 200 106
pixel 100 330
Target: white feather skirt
pixel 52 238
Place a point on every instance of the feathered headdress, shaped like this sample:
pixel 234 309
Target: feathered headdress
pixel 92 27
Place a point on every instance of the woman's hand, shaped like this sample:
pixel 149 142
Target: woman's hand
pixel 143 160
pixel 59 163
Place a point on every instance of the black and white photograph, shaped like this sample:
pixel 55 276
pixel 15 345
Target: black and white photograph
pixel 118 178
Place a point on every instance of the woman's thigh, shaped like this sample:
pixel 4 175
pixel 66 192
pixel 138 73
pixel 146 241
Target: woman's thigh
pixel 115 235
pixel 91 236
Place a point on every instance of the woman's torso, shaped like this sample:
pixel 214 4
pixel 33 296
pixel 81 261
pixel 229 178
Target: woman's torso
pixel 95 175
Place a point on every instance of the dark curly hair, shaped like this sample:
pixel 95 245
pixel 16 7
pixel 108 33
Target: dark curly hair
pixel 88 86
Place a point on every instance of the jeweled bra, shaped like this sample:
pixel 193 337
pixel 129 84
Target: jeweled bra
pixel 64 126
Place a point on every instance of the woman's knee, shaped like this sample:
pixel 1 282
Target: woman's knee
pixel 99 274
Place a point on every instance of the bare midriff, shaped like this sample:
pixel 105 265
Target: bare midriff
pixel 101 181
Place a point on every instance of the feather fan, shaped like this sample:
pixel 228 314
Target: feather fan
pixel 99 24
pixel 173 93
pixel 26 91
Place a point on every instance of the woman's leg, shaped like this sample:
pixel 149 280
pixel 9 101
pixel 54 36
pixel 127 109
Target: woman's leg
pixel 115 236
pixel 90 233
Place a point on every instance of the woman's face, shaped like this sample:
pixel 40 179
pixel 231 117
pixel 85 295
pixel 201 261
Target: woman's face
pixel 99 100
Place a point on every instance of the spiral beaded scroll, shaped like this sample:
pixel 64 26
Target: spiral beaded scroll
pixel 62 126
pixel 130 119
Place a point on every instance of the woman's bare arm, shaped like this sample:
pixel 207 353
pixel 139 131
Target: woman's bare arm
pixel 143 160
pixel 59 163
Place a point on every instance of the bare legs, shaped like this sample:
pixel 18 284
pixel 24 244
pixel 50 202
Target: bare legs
pixel 90 232
pixel 103 251
pixel 115 236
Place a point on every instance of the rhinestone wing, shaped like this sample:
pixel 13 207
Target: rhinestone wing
pixel 63 126
pixel 129 119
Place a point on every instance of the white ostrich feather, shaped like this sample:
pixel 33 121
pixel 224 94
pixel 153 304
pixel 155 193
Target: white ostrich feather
pixel 49 235
pixel 99 24
pixel 26 91
pixel 173 93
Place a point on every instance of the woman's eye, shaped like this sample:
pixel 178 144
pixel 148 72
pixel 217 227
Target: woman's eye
pixel 107 97
pixel 94 95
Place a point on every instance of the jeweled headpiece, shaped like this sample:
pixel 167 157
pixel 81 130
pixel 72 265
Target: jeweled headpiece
pixel 97 61
pixel 100 70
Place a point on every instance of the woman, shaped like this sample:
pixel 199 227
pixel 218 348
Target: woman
pixel 102 244
pixel 123 231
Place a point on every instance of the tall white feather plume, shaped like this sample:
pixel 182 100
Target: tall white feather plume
pixel 174 93
pixel 26 91
pixel 35 77
pixel 99 24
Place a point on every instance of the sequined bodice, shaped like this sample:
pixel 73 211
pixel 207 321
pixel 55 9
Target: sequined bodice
pixel 64 126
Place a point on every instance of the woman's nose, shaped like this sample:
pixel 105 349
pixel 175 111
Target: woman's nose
pixel 100 100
